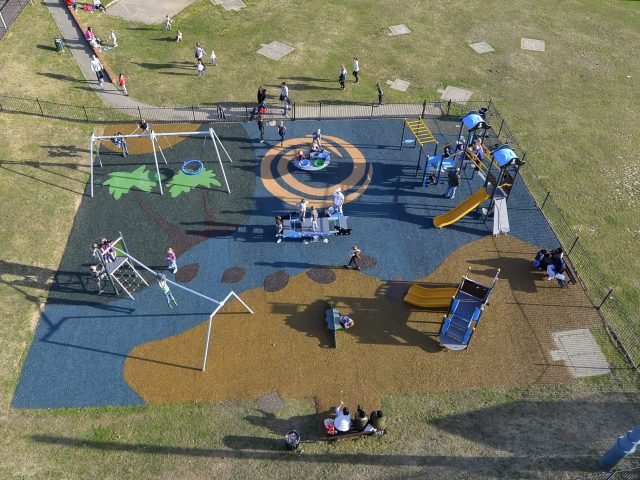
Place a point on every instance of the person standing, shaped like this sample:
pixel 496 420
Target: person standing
pixel 214 59
pixel 201 68
pixel 282 130
pixel 261 128
pixel 199 52
pixel 380 94
pixel 454 182
pixel 302 209
pixel 317 138
pixel 355 255
pixel 342 76
pixel 167 22
pixel 179 36
pixel 162 283
pixel 279 228
pixel 262 94
pixel 172 260
pixel 114 39
pixel 97 68
pixel 122 82
pixel 284 98
pixel 356 69
pixel 338 200
pixel 99 276
pixel 314 219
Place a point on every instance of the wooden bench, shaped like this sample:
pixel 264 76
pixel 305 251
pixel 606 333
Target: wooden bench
pixel 332 317
pixel 351 435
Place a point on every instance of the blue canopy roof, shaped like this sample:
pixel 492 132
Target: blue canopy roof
pixel 473 120
pixel 503 155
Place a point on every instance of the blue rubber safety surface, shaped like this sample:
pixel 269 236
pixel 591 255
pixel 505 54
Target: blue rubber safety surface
pixel 82 341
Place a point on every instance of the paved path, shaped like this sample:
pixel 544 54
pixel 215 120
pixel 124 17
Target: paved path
pixel 147 11
pixel 112 96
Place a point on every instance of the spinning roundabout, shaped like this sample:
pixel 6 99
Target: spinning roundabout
pixel 283 184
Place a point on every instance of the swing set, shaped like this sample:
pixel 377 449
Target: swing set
pixel 189 167
pixel 124 261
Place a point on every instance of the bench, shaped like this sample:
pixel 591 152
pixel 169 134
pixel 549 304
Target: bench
pixel 332 317
pixel 351 435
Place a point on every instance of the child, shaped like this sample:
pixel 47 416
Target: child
pixel 179 36
pixel 162 283
pixel 98 274
pixel 122 81
pixel 201 68
pixel 355 254
pixel 167 22
pixel 121 143
pixel 114 39
pixel 279 228
pixel 314 219
pixel 172 259
pixel 214 60
pixel 282 130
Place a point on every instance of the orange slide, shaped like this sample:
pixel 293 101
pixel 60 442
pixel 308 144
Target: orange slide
pixel 430 297
pixel 461 210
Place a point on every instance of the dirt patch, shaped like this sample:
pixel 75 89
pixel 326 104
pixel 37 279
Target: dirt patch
pixel 324 276
pixel 143 145
pixel 233 275
pixel 188 272
pixel 367 262
pixel 270 402
pixel 276 281
pixel 287 338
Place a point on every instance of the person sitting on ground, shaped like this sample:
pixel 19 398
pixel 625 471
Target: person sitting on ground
pixel 342 422
pixel 346 322
pixel 361 419
pixel 557 267
pixel 97 5
pixel 537 261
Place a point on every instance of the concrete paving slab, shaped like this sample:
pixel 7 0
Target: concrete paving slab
pixel 147 11
pixel 580 352
pixel 275 50
pixel 401 29
pixel 233 5
pixel 455 94
pixel 397 84
pixel 481 47
pixel 532 44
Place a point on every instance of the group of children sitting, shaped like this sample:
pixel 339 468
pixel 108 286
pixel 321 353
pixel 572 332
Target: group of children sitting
pixel 553 264
pixel 362 423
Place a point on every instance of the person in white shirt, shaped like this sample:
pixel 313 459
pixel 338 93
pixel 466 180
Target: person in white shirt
pixel 97 68
pixel 314 219
pixel 338 200
pixel 356 69
pixel 214 59
pixel 302 209
pixel 284 98
pixel 342 422
pixel 114 39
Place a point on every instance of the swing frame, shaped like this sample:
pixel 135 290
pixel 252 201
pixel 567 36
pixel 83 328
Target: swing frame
pixel 155 146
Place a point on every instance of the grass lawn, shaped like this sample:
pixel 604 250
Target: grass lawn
pixel 573 107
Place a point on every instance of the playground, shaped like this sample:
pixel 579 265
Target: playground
pixel 93 350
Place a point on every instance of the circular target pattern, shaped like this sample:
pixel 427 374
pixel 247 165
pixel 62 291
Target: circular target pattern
pixel 289 189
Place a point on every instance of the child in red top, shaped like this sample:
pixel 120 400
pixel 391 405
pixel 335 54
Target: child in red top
pixel 122 81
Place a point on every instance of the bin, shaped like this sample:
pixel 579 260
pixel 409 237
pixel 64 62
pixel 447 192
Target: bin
pixel 59 44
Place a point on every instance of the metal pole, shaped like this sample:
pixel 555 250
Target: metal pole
pixel 91 159
pixel 40 107
pixel 623 447
pixel 372 106
pixel 545 200
pixel 139 114
pixel 221 145
pixel 3 22
pixel 320 113
pixel 500 129
pixel 404 127
pixel 206 345
pixel 573 245
pixel 604 300
pixel 240 300
pixel 85 113
pixel 448 106
pixel 155 159
pixel 419 157
pixel 224 175
pixel 424 108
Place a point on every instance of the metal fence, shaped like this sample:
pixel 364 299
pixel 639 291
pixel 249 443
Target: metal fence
pixel 622 327
pixel 9 11
pixel 625 474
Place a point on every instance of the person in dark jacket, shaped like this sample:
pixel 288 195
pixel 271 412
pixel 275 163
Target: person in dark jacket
pixel 454 182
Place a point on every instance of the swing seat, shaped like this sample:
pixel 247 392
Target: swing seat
pixel 192 167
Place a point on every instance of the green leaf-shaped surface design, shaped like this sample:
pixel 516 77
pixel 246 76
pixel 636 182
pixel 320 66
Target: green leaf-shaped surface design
pixel 182 183
pixel 120 183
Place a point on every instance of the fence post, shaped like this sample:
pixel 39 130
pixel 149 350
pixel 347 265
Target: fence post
pixel 40 107
pixel 139 114
pixel 604 300
pixel 545 200
pixel 573 245
pixel 320 114
pixel 293 110
pixel 193 113
pixel 424 108
pixel 86 115
pixel 372 107
pixel 500 129
pixel 448 106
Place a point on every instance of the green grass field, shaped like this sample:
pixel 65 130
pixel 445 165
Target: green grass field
pixel 572 107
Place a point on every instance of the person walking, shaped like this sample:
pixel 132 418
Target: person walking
pixel 114 39
pixel 301 206
pixel 380 94
pixel 122 82
pixel 97 68
pixel 342 76
pixel 167 22
pixel 454 182
pixel 262 94
pixel 356 69
pixel 199 52
pixel 201 68
pixel 284 98
pixel 214 59
pixel 314 219
pixel 338 200
pixel 172 260
pixel 261 128
pixel 355 255
pixel 279 228
pixel 162 283
pixel 282 131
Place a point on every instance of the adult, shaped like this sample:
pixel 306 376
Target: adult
pixel 114 39
pixel 284 98
pixel 262 94
pixel 261 128
pixel 356 69
pixel 199 52
pixel 98 69
pixel 380 94
pixel 72 4
pixel 97 6
pixel 279 228
pixel 342 422
pixel 454 182
pixel 355 255
pixel 338 200
pixel 301 208
pixel 557 267
pixel 342 76
pixel 282 131
pixel 314 219
pixel 167 22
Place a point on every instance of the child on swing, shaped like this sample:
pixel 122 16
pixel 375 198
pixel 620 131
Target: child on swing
pixel 162 283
